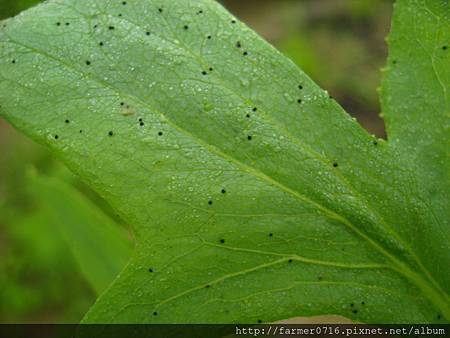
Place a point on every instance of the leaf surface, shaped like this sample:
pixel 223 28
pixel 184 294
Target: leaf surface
pixel 416 107
pixel 253 195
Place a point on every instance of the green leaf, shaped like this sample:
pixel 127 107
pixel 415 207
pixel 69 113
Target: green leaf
pixel 100 248
pixel 416 105
pixel 253 196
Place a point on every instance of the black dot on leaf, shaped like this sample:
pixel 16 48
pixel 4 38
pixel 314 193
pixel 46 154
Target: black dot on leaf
pixel 110 133
pixel 160 133
pixel 155 313
pixel 335 165
pixel 207 286
pixel 200 12
pixel 233 21
pixel 352 305
pixel 160 10
pixel 222 241
pixel 247 116
pixel 299 101
pixel 204 73
pixel 255 109
pixel 58 24
pixel 141 124
pixel 245 53
pixel 238 44
pixel 124 3
pixel 375 142
pixel 363 303
pixel 147 33
pixel 300 87
pixel 119 15
pixel 271 235
pixel 88 63
pixel 150 270
pixel 100 43
pixel 111 28
pixel 444 47
pixel 210 69
pixel 210 202
pixel 209 37
pixel 290 261
pixel 56 137
pixel 249 137
pixel 81 131
pixel 186 27
pixel 13 61
pixel 67 121
pixel 355 311
pixel 67 23
pixel 223 191
pixel 122 103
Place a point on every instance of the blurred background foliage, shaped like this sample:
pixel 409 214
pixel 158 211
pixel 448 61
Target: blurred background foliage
pixel 61 244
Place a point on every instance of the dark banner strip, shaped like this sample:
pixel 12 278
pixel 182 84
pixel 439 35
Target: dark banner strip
pixel 219 331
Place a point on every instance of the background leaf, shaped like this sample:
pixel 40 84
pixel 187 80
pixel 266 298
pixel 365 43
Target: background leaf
pixel 253 196
pixel 99 246
pixel 416 105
